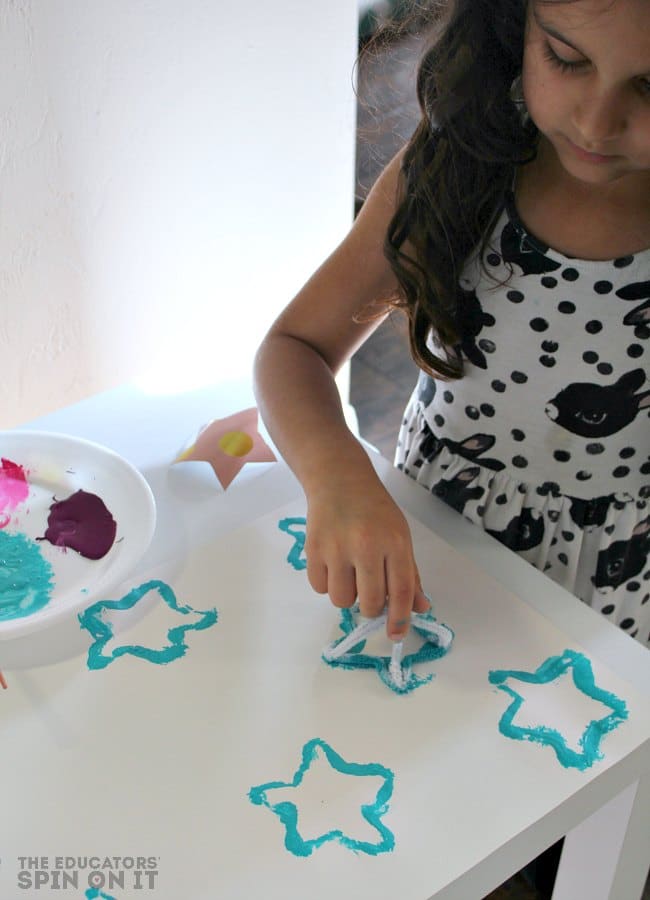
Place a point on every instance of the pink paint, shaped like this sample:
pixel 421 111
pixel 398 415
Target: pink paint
pixel 83 523
pixel 14 489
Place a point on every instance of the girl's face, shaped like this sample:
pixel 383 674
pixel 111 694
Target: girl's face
pixel 586 82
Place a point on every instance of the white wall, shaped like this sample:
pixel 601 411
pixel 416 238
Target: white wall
pixel 171 171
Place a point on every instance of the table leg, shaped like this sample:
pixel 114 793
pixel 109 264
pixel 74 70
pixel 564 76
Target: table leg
pixel 607 856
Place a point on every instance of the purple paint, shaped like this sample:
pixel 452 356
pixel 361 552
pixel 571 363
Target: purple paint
pixel 83 523
pixel 13 488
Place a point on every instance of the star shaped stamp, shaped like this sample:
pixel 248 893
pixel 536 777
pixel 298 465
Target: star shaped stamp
pixel 372 812
pixel 552 669
pixel 396 670
pixel 102 631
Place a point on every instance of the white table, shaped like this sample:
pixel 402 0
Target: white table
pixel 143 760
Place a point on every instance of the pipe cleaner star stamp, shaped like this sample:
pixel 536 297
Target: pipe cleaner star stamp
pixel 396 670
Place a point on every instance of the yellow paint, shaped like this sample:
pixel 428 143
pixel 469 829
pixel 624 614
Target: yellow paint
pixel 185 454
pixel 235 443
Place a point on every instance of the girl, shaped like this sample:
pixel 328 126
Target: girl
pixel 514 231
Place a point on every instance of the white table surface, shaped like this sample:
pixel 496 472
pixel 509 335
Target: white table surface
pixel 157 761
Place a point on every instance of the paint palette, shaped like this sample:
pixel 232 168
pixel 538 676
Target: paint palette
pixel 75 518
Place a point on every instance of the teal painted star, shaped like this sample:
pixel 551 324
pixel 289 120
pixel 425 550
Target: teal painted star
pixel 372 812
pixel 296 528
pixel 583 679
pixel 91 620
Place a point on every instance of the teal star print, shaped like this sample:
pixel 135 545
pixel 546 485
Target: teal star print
pixel 91 620
pixel 583 679
pixel 372 812
pixel 296 528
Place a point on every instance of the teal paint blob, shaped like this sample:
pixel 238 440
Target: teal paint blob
pixel 91 620
pixel 296 528
pixel 371 812
pixel 583 679
pixel 96 894
pixel 357 659
pixel 26 577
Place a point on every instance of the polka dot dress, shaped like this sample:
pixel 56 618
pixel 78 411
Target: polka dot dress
pixel 545 441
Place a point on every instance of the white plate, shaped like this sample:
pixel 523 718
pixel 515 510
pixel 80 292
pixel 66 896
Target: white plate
pixel 56 466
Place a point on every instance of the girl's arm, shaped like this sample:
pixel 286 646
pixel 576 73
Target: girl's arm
pixel 358 542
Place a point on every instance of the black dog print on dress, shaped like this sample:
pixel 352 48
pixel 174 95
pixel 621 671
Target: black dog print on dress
pixel 623 560
pixel 517 248
pixel 523 532
pixel 457 491
pixel 471 320
pixel 593 410
pixel 589 513
pixel 639 317
pixel 470 448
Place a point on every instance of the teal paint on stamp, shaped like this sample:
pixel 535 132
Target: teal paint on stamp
pixel 356 658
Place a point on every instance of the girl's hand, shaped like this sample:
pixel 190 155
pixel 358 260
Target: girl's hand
pixel 358 544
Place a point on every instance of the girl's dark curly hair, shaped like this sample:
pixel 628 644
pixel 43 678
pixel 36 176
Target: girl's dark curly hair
pixel 457 168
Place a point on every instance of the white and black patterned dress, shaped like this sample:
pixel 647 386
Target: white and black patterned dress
pixel 545 441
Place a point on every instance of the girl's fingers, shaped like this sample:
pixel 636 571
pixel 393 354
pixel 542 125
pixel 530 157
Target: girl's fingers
pixel 371 589
pixel 341 586
pixel 317 575
pixel 401 588
pixel 359 567
pixel 421 602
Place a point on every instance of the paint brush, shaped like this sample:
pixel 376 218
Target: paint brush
pixel 3 682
